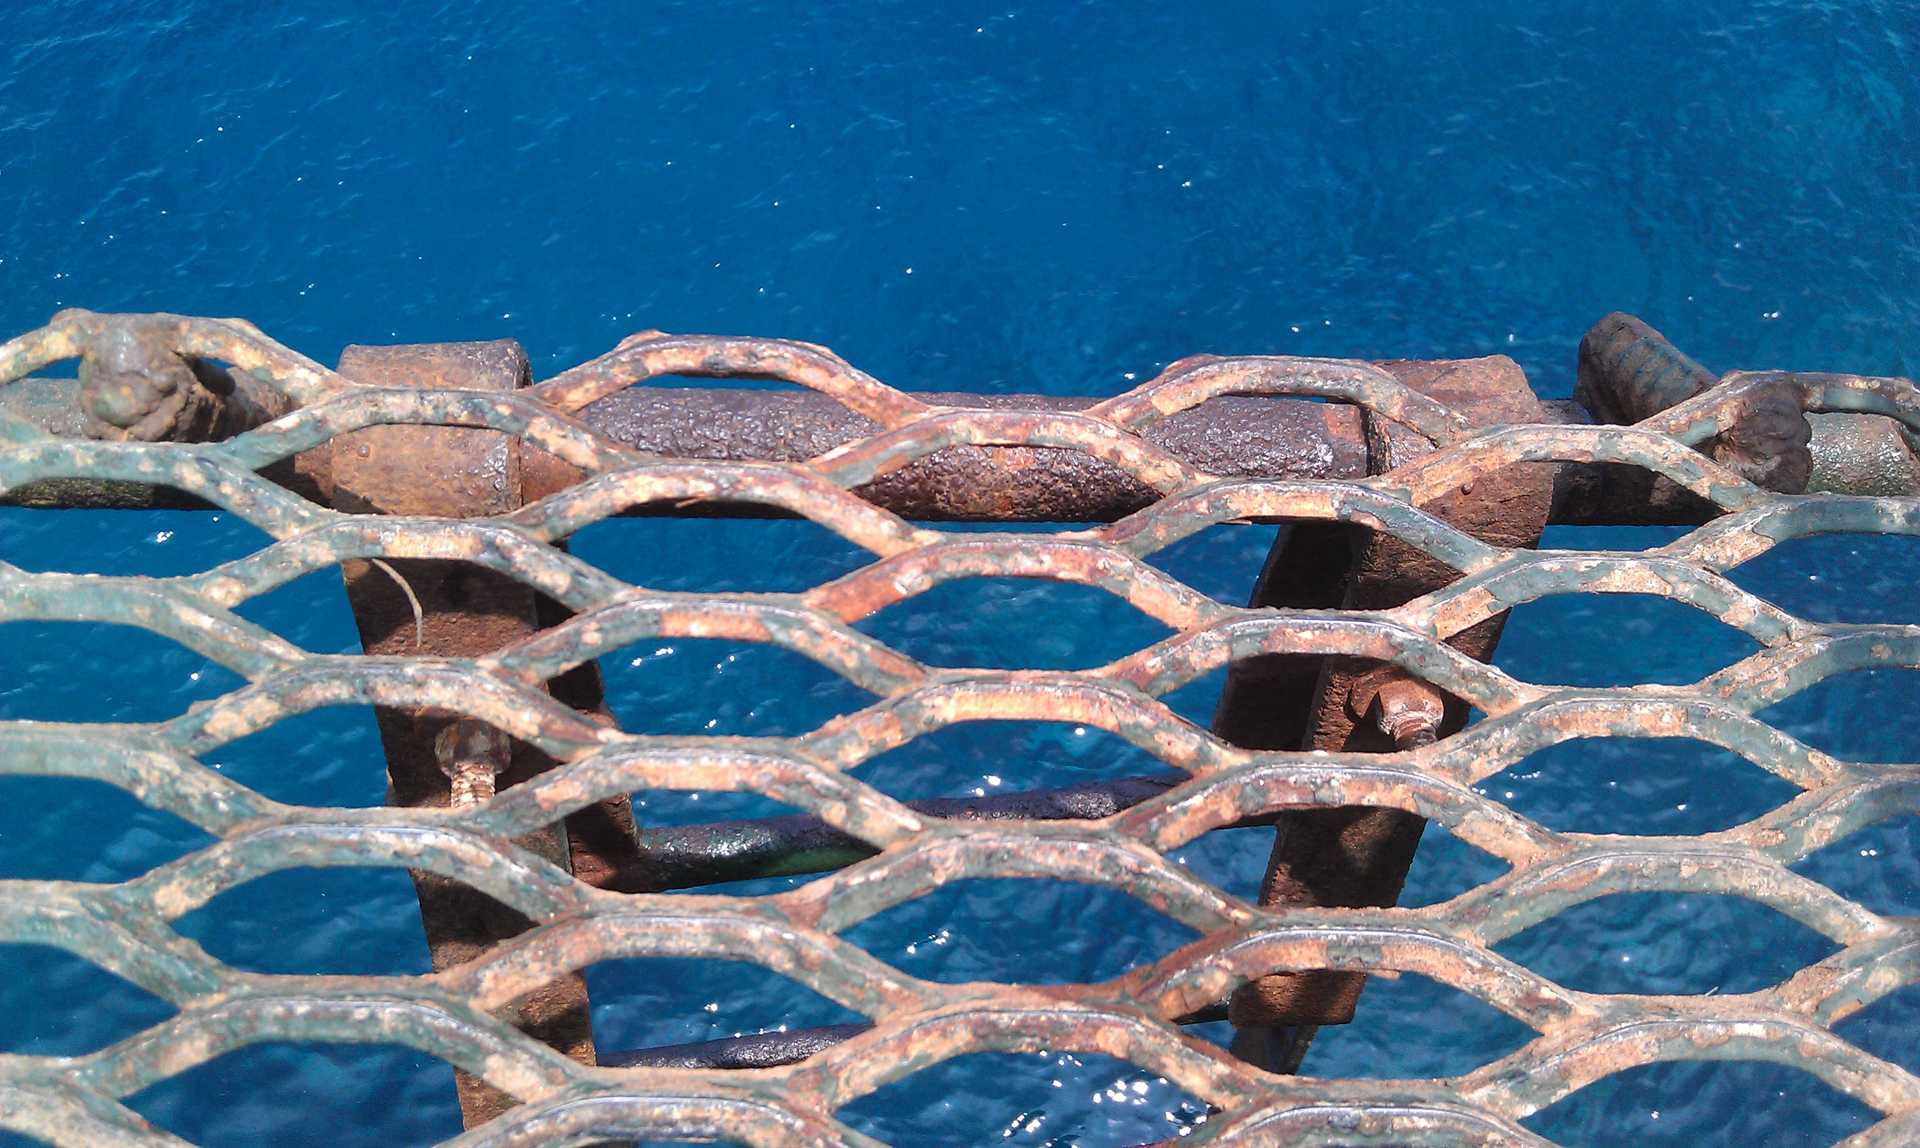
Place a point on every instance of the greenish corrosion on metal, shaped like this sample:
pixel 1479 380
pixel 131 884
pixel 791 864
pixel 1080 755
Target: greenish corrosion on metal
pixel 456 1014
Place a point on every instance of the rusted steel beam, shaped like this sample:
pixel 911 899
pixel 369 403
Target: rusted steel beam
pixel 447 608
pixel 1359 856
pixel 1232 436
pixel 1265 437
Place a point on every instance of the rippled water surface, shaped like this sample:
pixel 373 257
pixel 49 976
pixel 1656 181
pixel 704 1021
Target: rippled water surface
pixel 970 196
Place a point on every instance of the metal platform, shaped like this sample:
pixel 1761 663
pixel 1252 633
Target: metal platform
pixel 443 483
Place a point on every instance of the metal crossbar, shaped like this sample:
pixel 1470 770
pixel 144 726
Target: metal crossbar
pixel 270 409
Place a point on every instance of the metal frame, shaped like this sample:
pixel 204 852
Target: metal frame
pixel 444 486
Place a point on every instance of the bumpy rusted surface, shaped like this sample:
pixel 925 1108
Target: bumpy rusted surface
pixel 1628 372
pixel 1234 436
pixel 135 384
pixel 455 1013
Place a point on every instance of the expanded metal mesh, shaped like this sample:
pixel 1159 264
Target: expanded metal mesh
pixel 1582 1036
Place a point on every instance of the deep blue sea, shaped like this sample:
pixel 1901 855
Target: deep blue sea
pixel 989 196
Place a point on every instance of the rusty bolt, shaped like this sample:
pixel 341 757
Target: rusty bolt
pixel 471 753
pixel 1403 707
pixel 1409 712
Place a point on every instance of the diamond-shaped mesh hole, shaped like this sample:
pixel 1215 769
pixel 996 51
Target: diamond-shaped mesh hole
pixel 1028 931
pixel 1886 1028
pixel 721 688
pixel 78 829
pixel 1014 623
pixel 1686 1104
pixel 1039 1099
pixel 1661 943
pixel 1858 715
pixel 783 556
pixel 1233 860
pixel 76 672
pixel 46 989
pixel 656 1001
pixel 357 921
pixel 307 1096
pixel 996 758
pixel 1603 640
pixel 1838 577
pixel 1640 786
pixel 1457 1033
pixel 1313 569
pixel 154 544
pixel 1445 867
pixel 1616 538
pixel 311 611
pixel 1199 699
pixel 1878 867
pixel 658 808
pixel 327 756
pixel 1222 561
pixel 756 886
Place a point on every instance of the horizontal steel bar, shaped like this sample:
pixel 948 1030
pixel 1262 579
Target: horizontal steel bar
pixel 1229 436
pixel 1233 436
pixel 1265 437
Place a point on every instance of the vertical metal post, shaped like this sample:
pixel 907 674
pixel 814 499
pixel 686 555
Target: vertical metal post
pixel 1359 856
pixel 441 608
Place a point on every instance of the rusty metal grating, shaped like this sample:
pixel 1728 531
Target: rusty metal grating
pixel 459 1013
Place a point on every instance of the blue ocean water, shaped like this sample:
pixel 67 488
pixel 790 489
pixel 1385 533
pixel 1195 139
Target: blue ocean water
pixel 1048 197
